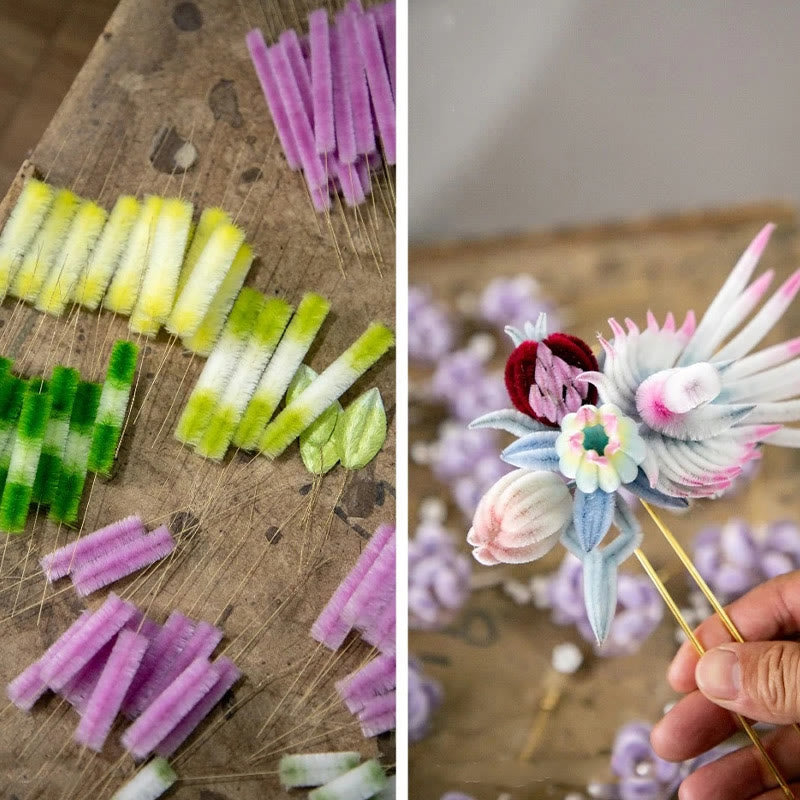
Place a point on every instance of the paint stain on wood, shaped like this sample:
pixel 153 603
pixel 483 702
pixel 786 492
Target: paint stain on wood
pixel 224 103
pixel 252 175
pixel 170 152
pixel 361 496
pixel 187 17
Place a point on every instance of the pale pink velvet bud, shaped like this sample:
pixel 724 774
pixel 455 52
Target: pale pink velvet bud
pixel 520 518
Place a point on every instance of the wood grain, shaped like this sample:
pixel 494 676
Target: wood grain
pixel 494 661
pixel 154 66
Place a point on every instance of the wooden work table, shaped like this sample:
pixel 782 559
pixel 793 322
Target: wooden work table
pixel 494 661
pixel 164 73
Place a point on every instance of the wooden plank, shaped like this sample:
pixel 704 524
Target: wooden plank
pixel 494 661
pixel 153 67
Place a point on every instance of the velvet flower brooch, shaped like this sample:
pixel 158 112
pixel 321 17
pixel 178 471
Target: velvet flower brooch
pixel 669 412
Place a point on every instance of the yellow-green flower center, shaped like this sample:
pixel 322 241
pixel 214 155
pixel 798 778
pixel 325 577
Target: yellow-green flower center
pixel 595 438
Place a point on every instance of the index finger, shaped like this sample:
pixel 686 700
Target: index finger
pixel 770 611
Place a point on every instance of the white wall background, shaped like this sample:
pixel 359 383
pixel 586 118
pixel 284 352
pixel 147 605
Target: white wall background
pixel 531 113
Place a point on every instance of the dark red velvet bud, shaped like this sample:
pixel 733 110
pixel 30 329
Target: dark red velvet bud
pixel 521 369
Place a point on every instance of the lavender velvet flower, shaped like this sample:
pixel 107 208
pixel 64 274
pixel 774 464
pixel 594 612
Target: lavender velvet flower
pixel 513 301
pixel 438 578
pixel 458 372
pixel 734 558
pixel 430 329
pixel 424 697
pixel 486 394
pixel 641 774
pixel 639 608
pixel 458 449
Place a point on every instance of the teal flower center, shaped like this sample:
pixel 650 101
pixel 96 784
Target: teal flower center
pixel 595 438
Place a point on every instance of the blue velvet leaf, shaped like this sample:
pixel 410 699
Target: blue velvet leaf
pixel 630 531
pixel 600 592
pixel 641 488
pixel 510 420
pixel 592 514
pixel 536 451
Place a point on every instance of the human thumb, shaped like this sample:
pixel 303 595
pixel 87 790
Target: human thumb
pixel 760 680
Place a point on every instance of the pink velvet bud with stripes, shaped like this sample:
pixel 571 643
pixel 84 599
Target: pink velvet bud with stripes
pixel 520 518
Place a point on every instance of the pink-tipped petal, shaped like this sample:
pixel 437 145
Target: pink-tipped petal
pixel 763 322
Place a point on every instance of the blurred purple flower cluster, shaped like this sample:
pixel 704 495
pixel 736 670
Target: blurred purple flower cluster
pixel 641 774
pixel 515 301
pixel 430 329
pixel 468 461
pixel 639 607
pixel 733 558
pixel 424 697
pixel 438 577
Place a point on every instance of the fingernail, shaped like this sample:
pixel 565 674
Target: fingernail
pixel 718 674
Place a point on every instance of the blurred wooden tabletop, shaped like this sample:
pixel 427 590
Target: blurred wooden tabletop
pixel 494 661
pixel 43 44
pixel 163 73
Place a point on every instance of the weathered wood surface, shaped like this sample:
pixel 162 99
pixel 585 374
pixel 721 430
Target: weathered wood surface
pixel 185 66
pixel 494 661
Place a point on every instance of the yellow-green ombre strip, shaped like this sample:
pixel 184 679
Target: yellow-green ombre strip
pixel 225 418
pixel 208 332
pixel 94 279
pixel 47 246
pixel 296 341
pixel 32 205
pixel 328 387
pixel 210 386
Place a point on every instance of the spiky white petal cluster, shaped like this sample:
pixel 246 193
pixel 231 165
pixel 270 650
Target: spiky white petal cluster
pixel 704 401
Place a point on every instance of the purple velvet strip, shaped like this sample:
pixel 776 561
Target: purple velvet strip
pixel 227 674
pixel 321 81
pixel 201 644
pixel 169 708
pixel 259 56
pixel 330 628
pixel 102 626
pixel 29 685
pixel 380 89
pixel 105 701
pixel 342 110
pixel 373 679
pixel 126 559
pixel 374 584
pixel 387 27
pixel 89 548
pixel 164 649
pixel 349 182
pixel 356 83
pixel 313 168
